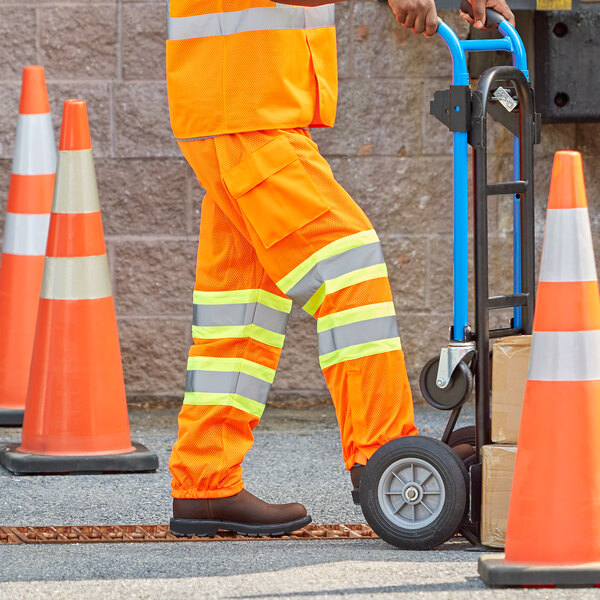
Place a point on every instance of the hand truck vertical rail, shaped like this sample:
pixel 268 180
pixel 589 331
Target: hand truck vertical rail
pixel 444 381
pixel 416 492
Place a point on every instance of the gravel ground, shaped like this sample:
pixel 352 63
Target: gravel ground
pixel 296 456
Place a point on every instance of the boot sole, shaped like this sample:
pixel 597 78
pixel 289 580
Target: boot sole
pixel 208 528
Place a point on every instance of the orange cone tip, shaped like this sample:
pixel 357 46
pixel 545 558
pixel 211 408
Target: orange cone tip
pixel 567 187
pixel 75 130
pixel 34 98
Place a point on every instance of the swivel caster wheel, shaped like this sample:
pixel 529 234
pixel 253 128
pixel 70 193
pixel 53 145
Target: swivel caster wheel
pixel 457 391
pixel 413 493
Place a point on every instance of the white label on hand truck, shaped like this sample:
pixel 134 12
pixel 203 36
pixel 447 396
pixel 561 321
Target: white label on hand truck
pixel 502 96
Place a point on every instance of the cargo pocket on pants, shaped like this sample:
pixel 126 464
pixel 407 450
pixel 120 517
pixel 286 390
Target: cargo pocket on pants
pixel 274 192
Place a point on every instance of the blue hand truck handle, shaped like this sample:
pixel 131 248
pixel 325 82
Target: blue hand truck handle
pixel 510 42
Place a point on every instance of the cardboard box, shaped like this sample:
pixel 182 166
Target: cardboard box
pixel 510 363
pixel 498 462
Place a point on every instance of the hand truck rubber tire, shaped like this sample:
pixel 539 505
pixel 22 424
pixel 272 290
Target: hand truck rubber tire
pixel 413 493
pixel 465 436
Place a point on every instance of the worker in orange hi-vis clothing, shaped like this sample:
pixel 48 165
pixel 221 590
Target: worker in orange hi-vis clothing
pixel 246 78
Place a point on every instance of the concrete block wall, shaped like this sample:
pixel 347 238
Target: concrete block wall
pixel 385 149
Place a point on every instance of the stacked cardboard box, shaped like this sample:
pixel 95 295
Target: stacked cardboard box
pixel 510 362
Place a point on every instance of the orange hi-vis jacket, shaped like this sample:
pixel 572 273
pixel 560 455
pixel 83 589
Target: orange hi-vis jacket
pixel 249 65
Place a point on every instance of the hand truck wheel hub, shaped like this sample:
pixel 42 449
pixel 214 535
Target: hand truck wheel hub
pixel 411 493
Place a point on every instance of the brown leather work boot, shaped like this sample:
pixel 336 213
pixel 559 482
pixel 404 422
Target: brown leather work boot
pixel 243 513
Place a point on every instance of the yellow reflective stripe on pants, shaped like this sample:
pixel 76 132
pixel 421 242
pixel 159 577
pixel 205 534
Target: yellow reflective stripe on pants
pixel 235 400
pixel 244 331
pixel 354 315
pixel 241 365
pixel 339 283
pixel 359 351
pixel 334 248
pixel 244 297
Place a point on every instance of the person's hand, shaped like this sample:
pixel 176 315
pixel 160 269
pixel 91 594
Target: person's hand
pixel 479 7
pixel 419 16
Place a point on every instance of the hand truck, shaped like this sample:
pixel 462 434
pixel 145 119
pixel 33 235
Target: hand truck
pixel 416 492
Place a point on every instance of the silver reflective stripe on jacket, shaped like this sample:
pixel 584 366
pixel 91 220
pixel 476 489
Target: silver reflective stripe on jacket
pixel 278 17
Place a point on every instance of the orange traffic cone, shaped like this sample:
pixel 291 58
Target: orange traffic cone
pixel 76 412
pixel 553 533
pixel 24 245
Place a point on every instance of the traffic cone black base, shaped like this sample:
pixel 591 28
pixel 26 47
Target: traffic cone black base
pixel 11 417
pixel 21 463
pixel 495 571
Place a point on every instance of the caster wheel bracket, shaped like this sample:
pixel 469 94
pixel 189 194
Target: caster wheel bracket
pixel 449 359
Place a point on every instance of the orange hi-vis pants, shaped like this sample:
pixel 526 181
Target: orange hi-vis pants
pixel 276 227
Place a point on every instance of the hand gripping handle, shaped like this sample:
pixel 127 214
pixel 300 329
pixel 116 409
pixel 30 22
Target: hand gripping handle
pixel 492 17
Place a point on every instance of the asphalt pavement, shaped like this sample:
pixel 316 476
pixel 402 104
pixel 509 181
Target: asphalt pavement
pixel 296 457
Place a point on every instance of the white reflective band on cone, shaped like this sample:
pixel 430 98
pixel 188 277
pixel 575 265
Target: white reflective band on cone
pixel 26 234
pixel 75 189
pixel 76 278
pixel 252 19
pixel 565 356
pixel 568 253
pixel 35 153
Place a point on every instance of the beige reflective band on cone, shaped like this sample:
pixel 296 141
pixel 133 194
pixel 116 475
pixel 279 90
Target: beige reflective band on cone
pixel 278 17
pixel 565 356
pixel 568 262
pixel 76 278
pixel 26 235
pixel 35 153
pixel 75 190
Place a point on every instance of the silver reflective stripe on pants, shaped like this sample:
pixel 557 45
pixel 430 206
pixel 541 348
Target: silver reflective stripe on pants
pixel 219 382
pixel 335 266
pixel 214 315
pixel 353 334
pixel 252 19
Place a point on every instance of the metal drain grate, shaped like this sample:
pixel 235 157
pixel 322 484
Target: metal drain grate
pixel 97 534
pixel 8 537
